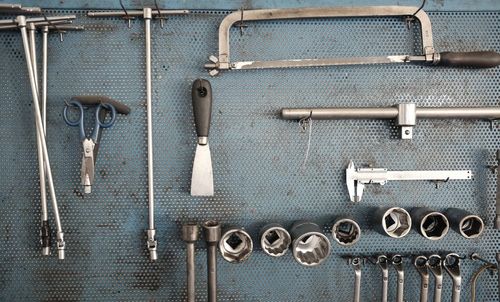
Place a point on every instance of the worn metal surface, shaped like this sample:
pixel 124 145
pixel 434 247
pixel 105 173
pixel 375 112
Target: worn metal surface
pixel 257 156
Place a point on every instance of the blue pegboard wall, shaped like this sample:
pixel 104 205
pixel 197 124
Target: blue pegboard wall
pixel 257 157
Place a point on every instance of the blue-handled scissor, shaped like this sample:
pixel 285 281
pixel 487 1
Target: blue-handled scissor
pixel 89 142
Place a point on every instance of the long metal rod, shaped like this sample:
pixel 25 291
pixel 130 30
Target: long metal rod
pixel 21 20
pixel 137 13
pixel 41 163
pixel 390 113
pixel 38 19
pixel 212 272
pixel 151 201
pixel 191 289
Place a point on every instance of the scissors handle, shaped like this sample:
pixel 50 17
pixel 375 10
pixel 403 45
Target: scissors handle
pixel 102 123
pixel 77 122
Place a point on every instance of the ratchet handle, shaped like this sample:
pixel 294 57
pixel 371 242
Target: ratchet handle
pixel 92 100
pixel 476 59
pixel 202 106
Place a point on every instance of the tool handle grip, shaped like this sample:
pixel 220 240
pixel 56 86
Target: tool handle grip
pixel 476 59
pixel 90 100
pixel 202 106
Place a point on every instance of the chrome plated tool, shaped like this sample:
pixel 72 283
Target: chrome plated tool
pixel 90 142
pixel 465 223
pixel 430 224
pixel 434 262
pixel 202 179
pixel 7 8
pixel 310 246
pixel 394 222
pixel 451 264
pixel 480 59
pixel 357 178
pixel 147 13
pixel 356 263
pixel 45 171
pixel 420 263
pixel 235 245
pixel 346 231
pixel 405 115
pixel 397 262
pixel 497 197
pixel 275 240
pixel 382 262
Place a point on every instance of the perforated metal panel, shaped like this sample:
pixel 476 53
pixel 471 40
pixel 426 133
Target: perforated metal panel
pixel 257 157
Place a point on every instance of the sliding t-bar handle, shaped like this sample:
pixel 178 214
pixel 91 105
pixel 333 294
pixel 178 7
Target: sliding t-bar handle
pixel 147 13
pixel 405 114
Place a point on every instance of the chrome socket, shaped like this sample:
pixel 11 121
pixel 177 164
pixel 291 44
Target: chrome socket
pixel 430 224
pixel 465 223
pixel 235 245
pixel 310 246
pixel 394 222
pixel 275 240
pixel 346 231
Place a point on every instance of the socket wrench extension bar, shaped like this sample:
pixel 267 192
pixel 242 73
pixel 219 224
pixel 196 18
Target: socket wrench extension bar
pixel 357 178
pixel 480 59
pixel 147 13
pixel 43 161
pixel 405 114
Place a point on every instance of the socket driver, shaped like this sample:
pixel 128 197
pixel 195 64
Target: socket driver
pixel 212 234
pixel 190 234
pixel 346 231
pixel 434 262
pixel 420 263
pixel 397 262
pixel 394 222
pixel 310 246
pixel 356 263
pixel 235 245
pixel 451 264
pixel 430 224
pixel 465 223
pixel 275 240
pixel 382 262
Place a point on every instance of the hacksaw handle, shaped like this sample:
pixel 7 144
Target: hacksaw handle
pixel 202 106
pixel 475 59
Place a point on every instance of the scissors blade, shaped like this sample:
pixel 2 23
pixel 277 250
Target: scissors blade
pixel 87 172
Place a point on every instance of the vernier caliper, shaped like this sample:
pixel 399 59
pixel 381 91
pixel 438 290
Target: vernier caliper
pixel 357 178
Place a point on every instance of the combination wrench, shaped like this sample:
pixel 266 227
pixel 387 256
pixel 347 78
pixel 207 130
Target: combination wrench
pixel 356 263
pixel 397 262
pixel 451 264
pixel 382 262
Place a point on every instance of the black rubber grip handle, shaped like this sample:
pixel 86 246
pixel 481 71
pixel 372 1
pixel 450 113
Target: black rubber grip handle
pixel 90 100
pixel 202 106
pixel 476 59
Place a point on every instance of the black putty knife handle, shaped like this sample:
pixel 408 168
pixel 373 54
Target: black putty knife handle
pixel 202 108
pixel 476 59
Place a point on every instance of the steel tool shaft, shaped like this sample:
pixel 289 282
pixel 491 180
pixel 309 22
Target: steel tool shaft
pixel 190 233
pixel 212 233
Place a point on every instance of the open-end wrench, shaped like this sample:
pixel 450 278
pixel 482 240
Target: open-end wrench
pixel 420 263
pixel 397 262
pixel 382 263
pixel 451 264
pixel 356 263
pixel 434 263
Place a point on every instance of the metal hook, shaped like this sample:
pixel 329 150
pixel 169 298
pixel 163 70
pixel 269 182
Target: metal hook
pixel 410 19
pixel 126 17
pixel 438 182
pixel 240 24
pixel 162 18
pixel 53 26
